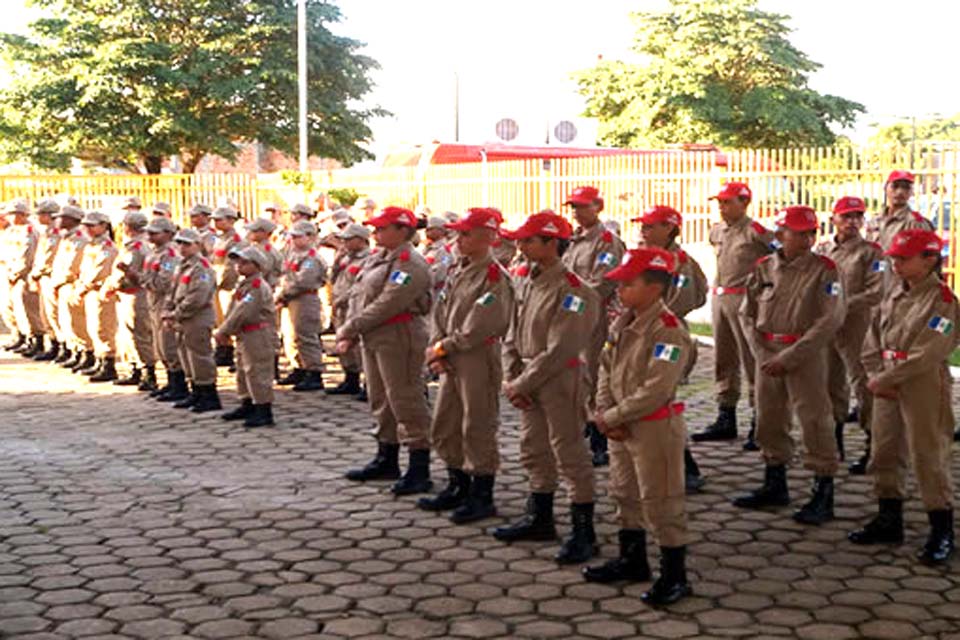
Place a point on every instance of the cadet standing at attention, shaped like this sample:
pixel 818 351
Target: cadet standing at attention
pixel 48 238
pixel 99 309
pixel 435 251
pixel 354 239
pixel 63 278
pixel 225 238
pixel 21 247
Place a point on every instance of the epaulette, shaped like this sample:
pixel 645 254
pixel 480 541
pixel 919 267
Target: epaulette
pixel 236 237
pixel 256 283
pixel 762 259
pixel 875 245
pixel 155 266
pixel 521 271
pixel 137 245
pixel 759 228
pixel 669 320
pixel 917 217
pixel 171 252
pixel 185 279
pixel 79 234
pixel 404 256
pixel 607 236
pixel 312 252
pixel 493 272
pixel 220 253
pixel 430 259
pixel 947 293
pixel 682 256
pixel 205 263
pixel 572 279
pixel 830 264
pixel 29 229
pixel 108 243
pixel 353 269
pixel 448 247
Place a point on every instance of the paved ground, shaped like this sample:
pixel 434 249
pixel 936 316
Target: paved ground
pixel 121 517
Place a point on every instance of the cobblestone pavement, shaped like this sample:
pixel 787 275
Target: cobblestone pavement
pixel 121 517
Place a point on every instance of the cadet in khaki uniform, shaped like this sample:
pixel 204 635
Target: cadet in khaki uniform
pixel 861 265
pixel 435 251
pixel 258 234
pixel 298 299
pixel 135 338
pixel 553 322
pixel 251 317
pixel 346 271
pixel 190 313
pixel 21 247
pixel 200 222
pixel 19 341
pixel 637 409
pixel 793 308
pixel 907 347
pixel 225 239
pixel 896 216
pixel 99 308
pixel 161 210
pixel 158 279
pixel 738 242
pixel 393 294
pixel 660 227
pixel 593 252
pixel 471 316
pixel 63 278
pixel 48 238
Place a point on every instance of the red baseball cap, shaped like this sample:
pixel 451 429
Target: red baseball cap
pixel 545 223
pixel 660 213
pixel 911 242
pixel 849 204
pixel 477 218
pixel 583 195
pixel 798 218
pixel 899 174
pixel 733 190
pixel 637 261
pixel 393 215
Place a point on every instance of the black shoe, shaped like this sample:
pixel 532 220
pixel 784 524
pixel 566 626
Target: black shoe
pixel 384 466
pixel 311 381
pixel 223 355
pixel 33 347
pixel 598 445
pixel 820 507
pixel 956 435
pixel 479 504
pixel 672 584
pixel 725 427
pixel 188 400
pixel 83 360
pixel 885 528
pixel 536 525
pixel 292 378
pixel 262 416
pixel 129 380
pixel 93 369
pixel 451 496
pixel 107 372
pixel 693 481
pixel 630 566
pixel 581 544
pixel 178 388
pixel 854 415
pixel 240 413
pixel 18 341
pixel 773 492
pixel 148 381
pixel 51 354
pixel 750 444
pixel 64 356
pixel 350 385
pixel 417 477
pixel 940 543
pixel 362 394
pixel 207 399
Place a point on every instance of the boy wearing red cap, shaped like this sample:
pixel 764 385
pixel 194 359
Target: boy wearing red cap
pixel 861 265
pixel 793 307
pixel 639 374
pixel 555 315
pixel 897 214
pixel 470 317
pixel 739 242
pixel 393 297
pixel 906 351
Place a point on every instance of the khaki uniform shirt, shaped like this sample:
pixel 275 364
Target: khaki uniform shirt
pixel 504 250
pixel 193 289
pixel 642 365
pixel 440 261
pixel 21 248
pixel 689 288
pixel 475 307
pixel 738 247
pixel 251 305
pixel 133 254
pixel 304 271
pixel 159 273
pixel 861 265
pixel 883 227
pixel 801 298
pixel 99 256
pixel 345 275
pixel 553 320
pixel 208 238
pixel 274 267
pixel 66 262
pixel 227 275
pixel 47 241
pixel 592 254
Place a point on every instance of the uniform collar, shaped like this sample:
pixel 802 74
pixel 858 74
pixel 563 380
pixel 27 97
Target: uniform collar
pixel 588 234
pixel 543 276
pixel 742 222
pixel 852 243
pixel 800 262
pixel 639 323
pixel 898 214
pixel 406 247
pixel 929 282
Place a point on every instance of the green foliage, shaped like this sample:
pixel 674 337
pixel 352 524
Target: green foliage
pixel 712 71
pixel 126 83
pixel 903 133
pixel 347 197
pixel 303 180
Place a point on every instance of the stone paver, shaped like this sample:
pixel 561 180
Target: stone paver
pixel 121 517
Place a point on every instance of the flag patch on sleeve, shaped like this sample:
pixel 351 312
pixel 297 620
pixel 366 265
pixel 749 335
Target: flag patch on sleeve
pixel 573 303
pixel 940 325
pixel 486 299
pixel 400 277
pixel 607 259
pixel 681 281
pixel 833 288
pixel 666 352
pixel 879 266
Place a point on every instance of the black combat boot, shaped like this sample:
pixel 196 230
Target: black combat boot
pixel 693 481
pixel 207 399
pixel 859 466
pixel 362 394
pixel 750 444
pixel 129 380
pixel 262 416
pixel 479 503
pixel 417 477
pixel 311 381
pixel 19 339
pixel 885 528
pixel 244 411
pixel 854 415
pixel 93 369
pixel 820 507
pixel 50 354
pixel 148 381
pixel 190 399
pixel 537 524
pixel 64 356
pixel 773 492
pixel 672 584
pixel 107 372
pixel 725 427
pixel 178 388
pixel 292 378
pixel 384 466
pixel 451 496
pixel 940 543
pixel 223 355
pixel 85 360
pixel 631 565
pixel 598 445
pixel 350 385
pixel 581 544
pixel 35 345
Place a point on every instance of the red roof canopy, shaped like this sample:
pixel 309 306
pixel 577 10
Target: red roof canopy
pixel 464 153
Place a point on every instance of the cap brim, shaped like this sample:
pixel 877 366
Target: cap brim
pixel 578 201
pixel 843 212
pixel 460 226
pixel 621 274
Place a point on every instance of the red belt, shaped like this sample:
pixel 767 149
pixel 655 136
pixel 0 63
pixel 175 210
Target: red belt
pixel 574 363
pixel 247 328
pixel 130 290
pixel 400 318
pixel 665 412
pixel 726 291
pixel 890 354
pixel 782 338
pixel 311 292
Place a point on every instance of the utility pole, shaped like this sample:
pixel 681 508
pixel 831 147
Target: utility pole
pixel 456 106
pixel 302 81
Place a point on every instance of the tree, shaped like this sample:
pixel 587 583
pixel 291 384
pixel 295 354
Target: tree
pixel 712 71
pixel 918 130
pixel 127 83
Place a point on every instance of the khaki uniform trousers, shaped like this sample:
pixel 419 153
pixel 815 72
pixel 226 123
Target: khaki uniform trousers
pixel 647 479
pixel 801 394
pixel 51 310
pixel 393 363
pixel 352 360
pixel 918 425
pixel 164 340
pixel 592 357
pixel 300 323
pixel 75 317
pixel 255 351
pixel 466 415
pixel 26 306
pixel 101 324
pixel 135 337
pixel 6 304
pixel 731 351
pixel 846 370
pixel 195 350
pixel 551 437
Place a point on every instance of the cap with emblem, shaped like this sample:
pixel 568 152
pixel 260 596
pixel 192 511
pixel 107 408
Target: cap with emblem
pixel 252 253
pixel 798 218
pixel 187 236
pixel 135 219
pixel 899 175
pixel 17 206
pixel 341 216
pixel 161 224
pixel 477 218
pixel 161 207
pixel 200 209
pixel 303 228
pixel 733 190
pixel 638 261
pixel 583 195
pixel 132 202
pixel 436 222
pixel 353 230
pixel 301 209
pixel 261 224
pixel 911 242
pixel 849 204
pixel 660 213
pixel 393 215
pixel 546 223
pixel 47 205
pixel 70 211
pixel 95 217
pixel 225 213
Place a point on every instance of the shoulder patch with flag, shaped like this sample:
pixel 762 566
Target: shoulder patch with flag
pixel 940 325
pixel 607 259
pixel 833 288
pixel 681 281
pixel 573 303
pixel 248 298
pixel 666 352
pixel 879 266
pixel 486 299
pixel 400 277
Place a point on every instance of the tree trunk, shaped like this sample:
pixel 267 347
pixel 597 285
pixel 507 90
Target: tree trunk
pixel 191 160
pixel 152 164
